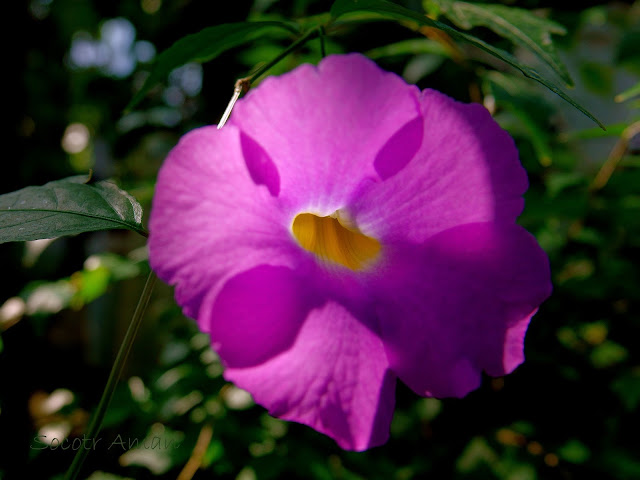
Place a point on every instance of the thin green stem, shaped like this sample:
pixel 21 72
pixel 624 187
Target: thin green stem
pixel 114 376
pixel 323 50
pixel 294 46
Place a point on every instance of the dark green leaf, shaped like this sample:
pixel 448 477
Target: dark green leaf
pixel 414 46
pixel 628 389
pixel 627 48
pixel 201 47
pixel 597 78
pixel 608 354
pixel 613 130
pixel 515 24
pixel 625 464
pixel 67 207
pixel 530 112
pixel 395 12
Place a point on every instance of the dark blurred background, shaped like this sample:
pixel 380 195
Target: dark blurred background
pixel 570 412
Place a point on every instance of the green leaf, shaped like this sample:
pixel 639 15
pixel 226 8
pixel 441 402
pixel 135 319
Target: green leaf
pixel 530 113
pixel 99 475
pixel 597 78
pixel 395 12
pixel 67 207
pixel 476 453
pixel 608 354
pixel 613 130
pixel 628 389
pixel 515 24
pixel 414 46
pixel 202 47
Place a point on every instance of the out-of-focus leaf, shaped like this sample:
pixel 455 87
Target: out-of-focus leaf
pixel 174 352
pixel 574 451
pixel 106 476
pixel 120 409
pixel 594 333
pixel 625 464
pixel 628 389
pixel 614 130
pixel 427 54
pixel 429 408
pixel 49 297
pixel 420 66
pixel 476 453
pixel 515 24
pixel 408 47
pixel 395 12
pixel 627 50
pixel 119 268
pixel 608 354
pixel 589 236
pixel 82 287
pixel 202 47
pixel 159 451
pixel 89 285
pixel 215 451
pixel 530 112
pixel 597 77
pixel 558 181
pixel 67 207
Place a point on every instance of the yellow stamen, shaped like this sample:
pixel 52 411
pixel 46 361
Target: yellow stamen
pixel 333 238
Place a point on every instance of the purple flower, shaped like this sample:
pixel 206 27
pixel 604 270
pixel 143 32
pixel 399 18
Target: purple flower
pixel 344 230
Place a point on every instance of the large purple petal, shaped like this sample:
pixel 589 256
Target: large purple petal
pixel 334 378
pixel 460 304
pixel 466 170
pixel 258 313
pixel 210 220
pixel 322 128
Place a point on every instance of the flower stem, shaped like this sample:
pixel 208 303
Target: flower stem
pixel 294 46
pixel 237 91
pixel 323 50
pixel 244 84
pixel 114 376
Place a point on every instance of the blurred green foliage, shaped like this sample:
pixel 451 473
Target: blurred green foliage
pixel 571 411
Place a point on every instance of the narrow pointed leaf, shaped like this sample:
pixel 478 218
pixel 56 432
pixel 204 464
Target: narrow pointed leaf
pixel 67 207
pixel 202 47
pixel 395 12
pixel 515 24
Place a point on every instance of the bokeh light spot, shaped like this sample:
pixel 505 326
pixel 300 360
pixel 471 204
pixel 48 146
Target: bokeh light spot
pixel 75 138
pixel 150 6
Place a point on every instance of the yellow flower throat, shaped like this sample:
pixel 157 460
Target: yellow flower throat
pixel 332 239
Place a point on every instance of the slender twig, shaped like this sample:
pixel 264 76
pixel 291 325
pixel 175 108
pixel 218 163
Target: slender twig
pixel 114 376
pixel 615 156
pixel 195 460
